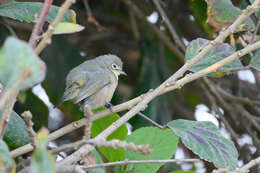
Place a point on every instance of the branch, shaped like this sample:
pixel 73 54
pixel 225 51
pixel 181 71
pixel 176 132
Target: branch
pixel 129 162
pixel 169 25
pixel 159 34
pixel 27 116
pixel 91 18
pixel 8 99
pixel 47 35
pixel 39 23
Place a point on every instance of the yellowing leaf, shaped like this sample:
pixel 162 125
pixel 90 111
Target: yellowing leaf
pixel 67 28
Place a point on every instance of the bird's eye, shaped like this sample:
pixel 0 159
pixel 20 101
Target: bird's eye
pixel 114 66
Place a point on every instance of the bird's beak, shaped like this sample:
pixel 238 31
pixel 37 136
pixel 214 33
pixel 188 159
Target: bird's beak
pixel 122 72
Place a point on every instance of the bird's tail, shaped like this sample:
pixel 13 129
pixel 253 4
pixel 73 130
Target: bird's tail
pixel 60 102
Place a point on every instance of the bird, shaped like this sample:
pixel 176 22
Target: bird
pixel 93 82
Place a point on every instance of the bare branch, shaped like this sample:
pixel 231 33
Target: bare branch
pixel 8 99
pixel 27 116
pixel 169 25
pixel 47 35
pixel 39 23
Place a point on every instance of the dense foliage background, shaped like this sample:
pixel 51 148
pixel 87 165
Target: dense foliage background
pixel 142 40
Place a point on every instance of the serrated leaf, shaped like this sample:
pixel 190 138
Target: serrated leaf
pixel 42 161
pixel 255 62
pixel 222 13
pixel 163 143
pixel 204 139
pixel 218 53
pixel 16 56
pixel 100 125
pixel 6 160
pixel 26 11
pixel 16 134
pixel 68 28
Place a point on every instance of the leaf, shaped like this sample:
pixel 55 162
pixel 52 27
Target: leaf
pixel 100 125
pixel 26 11
pixel 218 53
pixel 42 160
pixel 222 13
pixel 68 28
pixel 6 161
pixel 98 161
pixel 255 62
pixel 16 56
pixel 204 139
pixel 163 143
pixel 16 134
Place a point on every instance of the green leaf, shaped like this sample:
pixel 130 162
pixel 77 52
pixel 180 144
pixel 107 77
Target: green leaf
pixel 163 143
pixel 255 62
pixel 26 11
pixel 16 134
pixel 98 161
pixel 204 139
pixel 67 28
pixel 42 160
pixel 16 56
pixel 100 125
pixel 222 13
pixel 6 160
pixel 218 53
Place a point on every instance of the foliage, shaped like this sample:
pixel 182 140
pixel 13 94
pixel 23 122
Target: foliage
pixel 149 54
pixel 204 139
pixel 163 143
pixel 16 134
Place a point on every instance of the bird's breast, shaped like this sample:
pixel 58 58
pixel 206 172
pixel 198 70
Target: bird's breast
pixel 101 97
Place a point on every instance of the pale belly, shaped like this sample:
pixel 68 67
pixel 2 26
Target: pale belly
pixel 101 97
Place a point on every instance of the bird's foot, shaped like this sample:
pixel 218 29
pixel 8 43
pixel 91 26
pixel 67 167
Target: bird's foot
pixel 109 106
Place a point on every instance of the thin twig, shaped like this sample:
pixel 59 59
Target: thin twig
pixel 27 116
pixel 159 34
pixel 8 99
pixel 169 25
pixel 151 121
pixel 242 100
pixel 91 18
pixel 47 35
pixel 39 23
pixel 129 162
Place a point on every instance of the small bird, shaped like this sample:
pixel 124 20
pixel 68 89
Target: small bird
pixel 93 82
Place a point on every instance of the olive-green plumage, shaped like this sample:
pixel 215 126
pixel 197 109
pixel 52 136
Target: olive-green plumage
pixel 94 81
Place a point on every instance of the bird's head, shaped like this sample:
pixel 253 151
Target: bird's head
pixel 114 64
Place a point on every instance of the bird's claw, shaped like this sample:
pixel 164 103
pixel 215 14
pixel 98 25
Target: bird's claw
pixel 109 106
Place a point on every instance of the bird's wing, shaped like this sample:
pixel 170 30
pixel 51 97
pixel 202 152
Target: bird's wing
pixel 95 81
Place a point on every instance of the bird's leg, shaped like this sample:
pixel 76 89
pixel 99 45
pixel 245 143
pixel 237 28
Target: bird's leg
pixel 109 106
